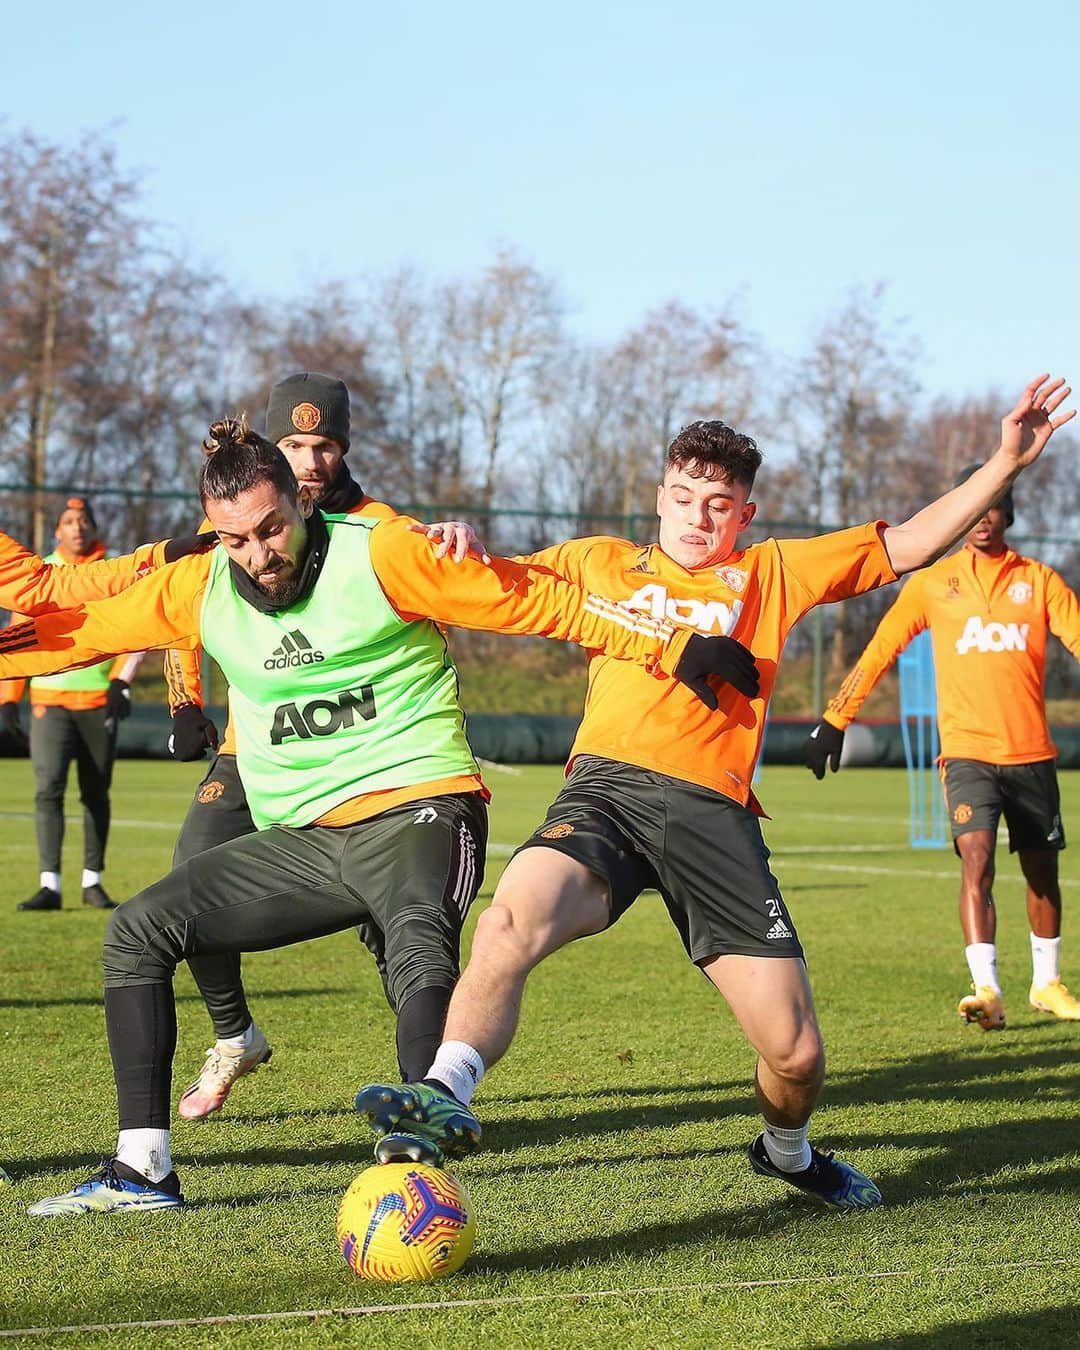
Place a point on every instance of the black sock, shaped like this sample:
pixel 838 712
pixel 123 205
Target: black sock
pixel 420 1022
pixel 141 1022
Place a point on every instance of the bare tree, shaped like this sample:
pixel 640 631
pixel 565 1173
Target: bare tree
pixel 68 235
pixel 849 406
pixel 500 331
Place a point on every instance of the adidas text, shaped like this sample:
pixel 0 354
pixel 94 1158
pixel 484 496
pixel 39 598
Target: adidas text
pixel 778 930
pixel 295 650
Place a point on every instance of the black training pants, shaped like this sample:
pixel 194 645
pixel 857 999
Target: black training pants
pixel 58 736
pixel 411 872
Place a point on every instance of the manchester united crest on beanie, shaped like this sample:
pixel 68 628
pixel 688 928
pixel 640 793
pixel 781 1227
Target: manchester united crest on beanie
pixel 309 404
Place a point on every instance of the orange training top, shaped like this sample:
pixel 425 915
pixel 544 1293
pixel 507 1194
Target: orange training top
pixel 163 610
pixel 988 620
pixel 29 586
pixel 755 596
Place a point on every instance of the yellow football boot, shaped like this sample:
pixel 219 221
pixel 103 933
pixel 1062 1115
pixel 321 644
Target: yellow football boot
pixel 983 1006
pixel 1055 998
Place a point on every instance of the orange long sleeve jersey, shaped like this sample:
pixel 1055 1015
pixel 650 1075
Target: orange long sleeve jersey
pixel 756 597
pixel 30 586
pixel 163 610
pixel 988 620
pixel 183 669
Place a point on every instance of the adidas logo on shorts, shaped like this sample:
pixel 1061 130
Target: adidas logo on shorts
pixel 779 930
pixel 295 650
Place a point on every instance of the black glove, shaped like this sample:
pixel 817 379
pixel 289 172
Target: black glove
pixel 192 733
pixel 723 657
pixel 11 733
pixel 823 744
pixel 190 543
pixel 117 702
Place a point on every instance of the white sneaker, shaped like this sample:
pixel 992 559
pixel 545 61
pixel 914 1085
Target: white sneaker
pixel 223 1067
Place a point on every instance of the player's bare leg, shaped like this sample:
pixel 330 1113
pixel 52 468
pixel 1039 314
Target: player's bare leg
pixel 772 1002
pixel 771 999
pixel 544 900
pixel 978 919
pixel 1048 992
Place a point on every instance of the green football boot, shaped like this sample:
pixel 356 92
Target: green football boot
pixel 416 1122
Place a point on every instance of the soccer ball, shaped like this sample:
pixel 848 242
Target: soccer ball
pixel 405 1221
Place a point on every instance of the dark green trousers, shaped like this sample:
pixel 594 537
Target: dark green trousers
pixel 411 873
pixel 58 736
pixel 219 813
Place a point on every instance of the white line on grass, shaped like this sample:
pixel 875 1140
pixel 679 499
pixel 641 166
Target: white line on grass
pixel 520 1300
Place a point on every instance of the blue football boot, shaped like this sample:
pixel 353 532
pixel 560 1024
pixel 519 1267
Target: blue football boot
pixel 115 1188
pixel 827 1179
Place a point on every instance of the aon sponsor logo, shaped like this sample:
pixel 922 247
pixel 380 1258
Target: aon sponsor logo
pixel 992 637
pixel 707 616
pixel 322 716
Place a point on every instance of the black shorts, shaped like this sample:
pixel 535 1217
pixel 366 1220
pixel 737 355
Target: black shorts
pixel 640 830
pixel 976 794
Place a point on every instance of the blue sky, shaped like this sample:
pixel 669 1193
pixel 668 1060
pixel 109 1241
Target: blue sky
pixel 781 151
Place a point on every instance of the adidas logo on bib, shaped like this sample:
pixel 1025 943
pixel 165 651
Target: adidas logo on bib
pixel 295 650
pixel 778 930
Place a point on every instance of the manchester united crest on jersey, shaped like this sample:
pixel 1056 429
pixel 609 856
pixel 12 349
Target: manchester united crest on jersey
pixel 1020 592
pixel 734 577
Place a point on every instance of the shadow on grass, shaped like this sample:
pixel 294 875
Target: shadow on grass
pixel 1017 1331
pixel 90 1001
pixel 642 1240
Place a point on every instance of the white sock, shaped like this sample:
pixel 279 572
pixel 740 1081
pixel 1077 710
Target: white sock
pixel 147 1151
pixel 458 1066
pixel 90 878
pixel 241 1042
pixel 50 880
pixel 788 1149
pixel 982 962
pixel 1044 960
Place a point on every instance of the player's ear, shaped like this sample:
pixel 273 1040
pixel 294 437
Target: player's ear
pixel 659 497
pixel 746 515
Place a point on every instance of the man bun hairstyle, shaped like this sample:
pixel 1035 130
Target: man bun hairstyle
pixel 309 404
pixel 237 459
pixel 715 450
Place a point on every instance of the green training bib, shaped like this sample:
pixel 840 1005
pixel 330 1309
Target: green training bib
pixel 336 696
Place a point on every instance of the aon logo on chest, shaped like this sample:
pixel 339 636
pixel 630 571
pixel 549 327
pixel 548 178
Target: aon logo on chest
pixel 992 636
pixel 707 616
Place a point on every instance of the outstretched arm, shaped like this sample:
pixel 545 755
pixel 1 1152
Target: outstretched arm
pixel 161 610
pixel 30 585
pixel 1024 434
pixel 899 624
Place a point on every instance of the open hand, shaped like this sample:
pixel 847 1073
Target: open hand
pixel 1025 430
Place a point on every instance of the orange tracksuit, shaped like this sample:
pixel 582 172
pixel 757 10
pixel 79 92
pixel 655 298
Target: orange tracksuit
pixel 988 619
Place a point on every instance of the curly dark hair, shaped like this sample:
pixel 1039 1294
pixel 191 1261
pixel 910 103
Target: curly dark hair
pixel 237 458
pixel 714 450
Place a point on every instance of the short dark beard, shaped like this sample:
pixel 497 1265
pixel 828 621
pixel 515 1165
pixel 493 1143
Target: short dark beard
pixel 282 590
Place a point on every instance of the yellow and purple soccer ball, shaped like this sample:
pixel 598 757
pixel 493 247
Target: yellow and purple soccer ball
pixel 405 1221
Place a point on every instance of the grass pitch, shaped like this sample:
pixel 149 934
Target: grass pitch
pixel 614 1198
